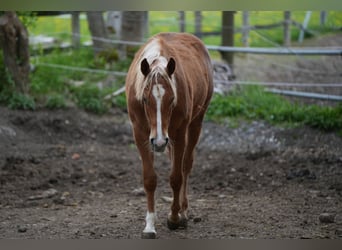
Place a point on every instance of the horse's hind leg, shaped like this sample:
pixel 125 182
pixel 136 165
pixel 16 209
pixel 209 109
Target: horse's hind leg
pixel 194 132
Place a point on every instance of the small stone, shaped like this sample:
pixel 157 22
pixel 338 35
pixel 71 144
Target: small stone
pixel 138 192
pixel 197 219
pixel 22 229
pixel 46 194
pixel 75 156
pixel 49 193
pixel 327 218
pixel 167 199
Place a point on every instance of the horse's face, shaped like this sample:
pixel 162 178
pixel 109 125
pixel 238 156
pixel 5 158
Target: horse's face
pixel 159 100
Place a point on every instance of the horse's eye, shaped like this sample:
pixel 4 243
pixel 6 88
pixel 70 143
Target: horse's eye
pixel 144 100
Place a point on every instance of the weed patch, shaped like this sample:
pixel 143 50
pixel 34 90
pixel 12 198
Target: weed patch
pixel 254 103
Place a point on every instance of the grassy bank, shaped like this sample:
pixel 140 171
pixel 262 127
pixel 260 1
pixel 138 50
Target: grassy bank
pixel 253 103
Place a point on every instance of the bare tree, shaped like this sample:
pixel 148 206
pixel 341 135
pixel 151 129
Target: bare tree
pixel 15 46
pixel 75 26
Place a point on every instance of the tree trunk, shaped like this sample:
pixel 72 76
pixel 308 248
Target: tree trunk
pixel 228 36
pixel 15 46
pixel 98 31
pixel 134 28
pixel 134 25
pixel 113 24
pixel 75 26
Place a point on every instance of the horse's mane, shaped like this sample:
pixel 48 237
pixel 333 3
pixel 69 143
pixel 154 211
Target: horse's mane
pixel 152 52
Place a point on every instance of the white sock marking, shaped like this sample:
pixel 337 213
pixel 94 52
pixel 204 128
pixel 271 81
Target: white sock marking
pixel 150 220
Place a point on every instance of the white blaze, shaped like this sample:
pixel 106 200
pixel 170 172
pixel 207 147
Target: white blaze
pixel 158 92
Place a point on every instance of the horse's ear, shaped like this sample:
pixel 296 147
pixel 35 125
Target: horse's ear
pixel 171 66
pixel 145 67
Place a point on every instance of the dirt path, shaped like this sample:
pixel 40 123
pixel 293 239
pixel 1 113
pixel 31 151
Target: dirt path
pixel 69 174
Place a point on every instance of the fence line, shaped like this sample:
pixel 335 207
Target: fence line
pixel 278 51
pixel 305 94
pixel 66 67
pixel 282 84
pixel 306 71
pixel 263 37
pixel 253 50
pixel 176 20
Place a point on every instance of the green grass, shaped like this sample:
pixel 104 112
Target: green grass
pixel 55 88
pixel 20 101
pixel 254 103
pixel 59 27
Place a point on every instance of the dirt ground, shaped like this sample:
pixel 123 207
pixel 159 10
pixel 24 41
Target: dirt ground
pixel 68 174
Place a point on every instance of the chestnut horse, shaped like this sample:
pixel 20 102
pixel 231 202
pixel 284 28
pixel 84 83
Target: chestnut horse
pixel 168 89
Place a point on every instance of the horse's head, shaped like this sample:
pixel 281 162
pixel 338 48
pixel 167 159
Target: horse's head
pixel 159 98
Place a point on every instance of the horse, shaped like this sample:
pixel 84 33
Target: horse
pixel 168 88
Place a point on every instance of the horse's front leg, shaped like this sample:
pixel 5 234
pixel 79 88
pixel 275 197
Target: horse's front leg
pixel 150 182
pixel 176 178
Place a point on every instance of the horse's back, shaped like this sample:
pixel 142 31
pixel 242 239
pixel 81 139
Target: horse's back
pixel 185 45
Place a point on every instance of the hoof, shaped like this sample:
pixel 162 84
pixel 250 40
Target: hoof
pixel 183 223
pixel 172 225
pixel 149 235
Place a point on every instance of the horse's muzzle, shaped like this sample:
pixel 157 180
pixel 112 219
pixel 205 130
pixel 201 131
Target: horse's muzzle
pixel 159 145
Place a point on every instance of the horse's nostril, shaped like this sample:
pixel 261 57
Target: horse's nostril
pixel 152 141
pixel 166 140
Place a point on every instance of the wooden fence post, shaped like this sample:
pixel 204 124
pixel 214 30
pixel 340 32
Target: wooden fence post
pixel 304 26
pixel 323 17
pixel 182 21
pixel 245 28
pixel 228 37
pixel 75 29
pixel 287 28
pixel 198 24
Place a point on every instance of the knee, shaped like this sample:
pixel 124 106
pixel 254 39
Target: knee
pixel 150 182
pixel 176 181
